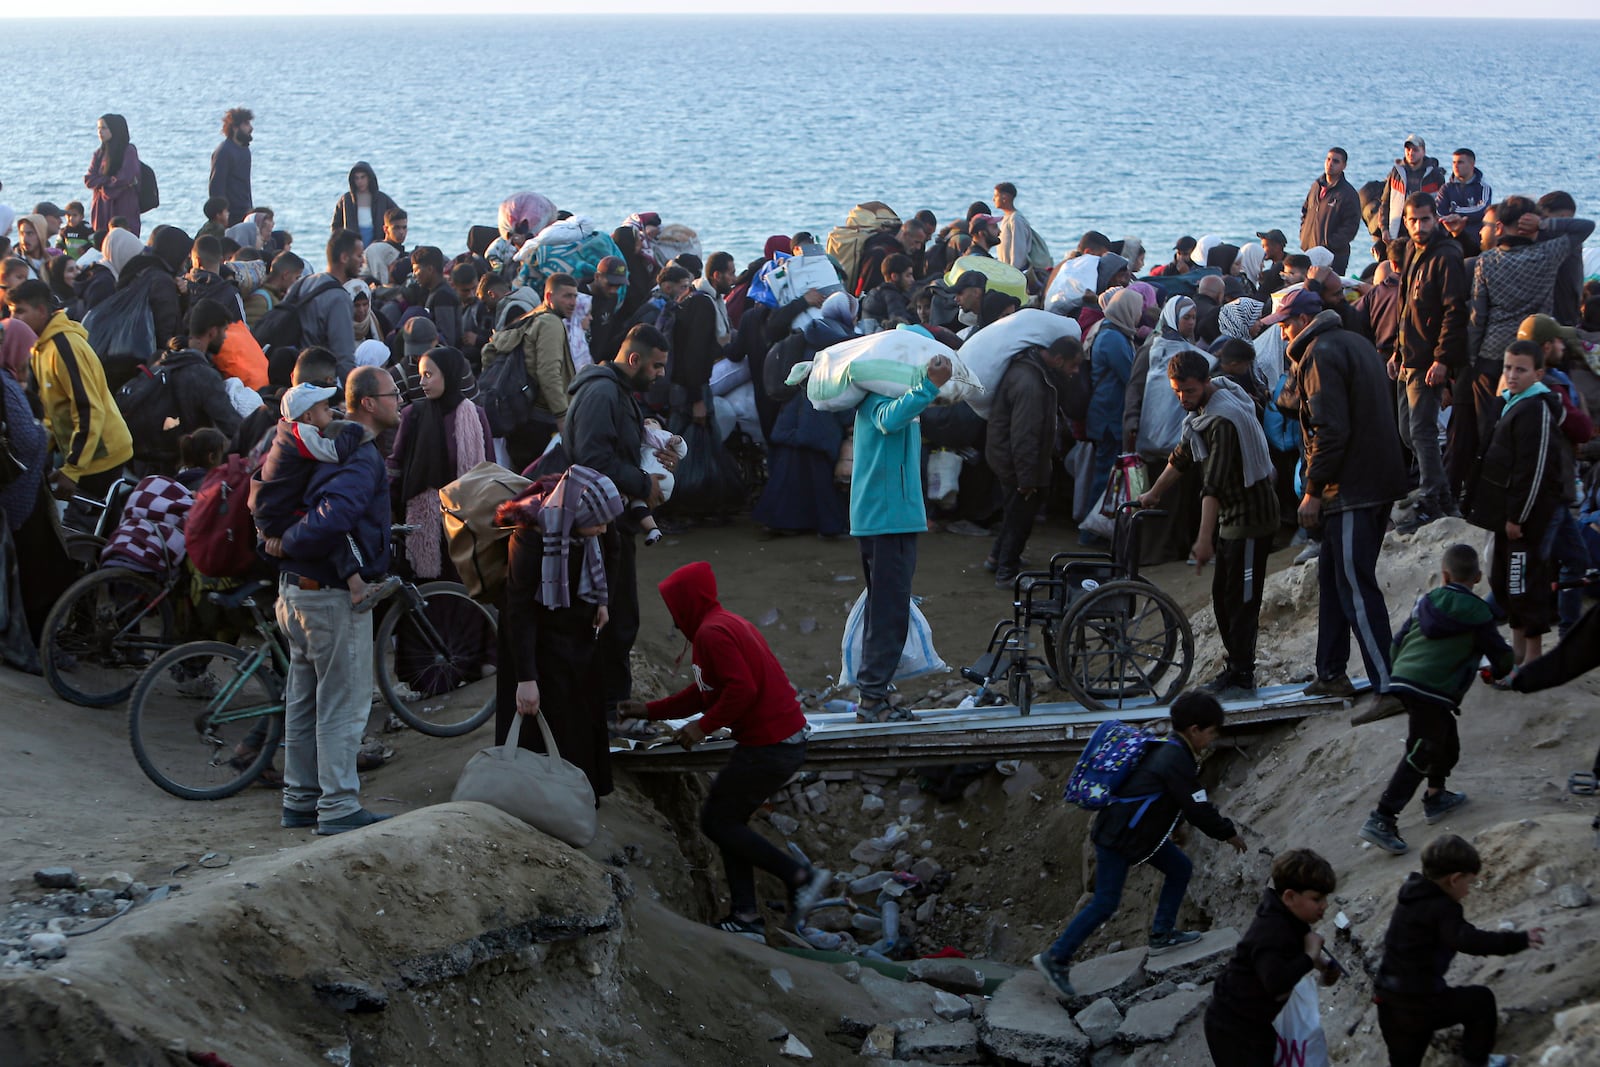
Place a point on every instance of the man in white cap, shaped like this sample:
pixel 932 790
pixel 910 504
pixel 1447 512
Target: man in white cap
pixel 1414 172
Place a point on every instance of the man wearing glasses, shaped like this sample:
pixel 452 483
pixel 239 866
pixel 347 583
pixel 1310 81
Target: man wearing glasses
pixel 329 689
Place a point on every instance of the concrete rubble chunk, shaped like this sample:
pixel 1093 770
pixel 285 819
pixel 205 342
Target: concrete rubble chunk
pixel 47 946
pixel 1024 1022
pixel 940 1043
pixel 1115 975
pixel 954 975
pixel 885 1000
pixel 782 979
pixel 1158 1020
pixel 784 824
pixel 871 804
pixel 1572 895
pixel 794 1048
pixel 879 1043
pixel 1099 1022
pixel 56 878
pixel 1198 962
pixel 950 1007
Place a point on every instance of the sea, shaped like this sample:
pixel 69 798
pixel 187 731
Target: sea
pixel 743 127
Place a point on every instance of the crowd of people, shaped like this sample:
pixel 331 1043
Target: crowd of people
pixel 1268 400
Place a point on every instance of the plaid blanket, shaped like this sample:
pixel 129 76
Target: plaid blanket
pixel 150 536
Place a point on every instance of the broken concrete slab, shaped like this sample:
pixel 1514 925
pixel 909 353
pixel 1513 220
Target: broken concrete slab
pixel 1023 1022
pixel 794 1048
pixel 1115 975
pixel 879 1043
pixel 1099 1022
pixel 1158 1020
pixel 1200 961
pixel 940 1043
pixel 957 976
pixel 886 1000
pixel 950 1007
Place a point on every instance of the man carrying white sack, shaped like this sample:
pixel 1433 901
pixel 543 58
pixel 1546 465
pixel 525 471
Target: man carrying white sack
pixel 885 517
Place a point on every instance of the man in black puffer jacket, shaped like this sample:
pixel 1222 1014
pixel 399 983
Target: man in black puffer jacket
pixel 1353 475
pixel 1427 930
pixel 1161 790
pixel 1278 950
pixel 194 391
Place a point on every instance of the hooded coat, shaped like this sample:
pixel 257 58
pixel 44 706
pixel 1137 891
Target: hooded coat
pixel 79 411
pixel 1437 651
pixel 163 262
pixel 738 682
pixel 1268 963
pixel 347 213
pixel 1022 424
pixel 1426 931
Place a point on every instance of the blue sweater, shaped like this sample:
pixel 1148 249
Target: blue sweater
pixel 347 508
pixel 886 476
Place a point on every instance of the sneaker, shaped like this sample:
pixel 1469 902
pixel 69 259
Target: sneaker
pixel 802 899
pixel 295 819
pixel 1421 516
pixel 1216 685
pixel 649 539
pixel 1381 706
pixel 201 687
pixel 1335 685
pixel 1005 579
pixel 1056 975
pixel 354 821
pixel 968 528
pixel 1312 550
pixel 1242 687
pixel 991 564
pixel 755 931
pixel 1171 939
pixel 377 594
pixel 1385 833
pixel 1441 804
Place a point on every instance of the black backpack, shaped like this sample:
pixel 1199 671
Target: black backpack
pixel 122 330
pixel 284 324
pixel 505 390
pixel 149 191
pixel 149 406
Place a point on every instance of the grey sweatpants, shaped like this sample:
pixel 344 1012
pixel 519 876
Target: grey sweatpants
pixel 327 699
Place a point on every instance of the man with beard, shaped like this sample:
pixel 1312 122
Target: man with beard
pixel 1414 172
pixel 1331 214
pixel 325 306
pixel 606 321
pixel 230 164
pixel 605 432
pixel 195 385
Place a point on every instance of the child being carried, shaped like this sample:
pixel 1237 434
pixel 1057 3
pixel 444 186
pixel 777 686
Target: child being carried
pixel 655 440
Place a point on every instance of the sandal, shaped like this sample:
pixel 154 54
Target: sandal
pixel 270 778
pixel 884 712
pixel 1583 784
pixel 636 729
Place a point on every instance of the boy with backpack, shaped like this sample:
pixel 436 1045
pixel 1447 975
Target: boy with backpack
pixel 1436 653
pixel 1278 950
pixel 1427 930
pixel 1138 810
pixel 307 435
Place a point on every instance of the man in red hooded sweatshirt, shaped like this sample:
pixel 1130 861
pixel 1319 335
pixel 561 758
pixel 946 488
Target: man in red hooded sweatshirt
pixel 738 684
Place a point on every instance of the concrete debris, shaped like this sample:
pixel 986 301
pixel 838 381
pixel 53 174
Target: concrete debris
pixel 879 1043
pixel 955 1042
pixel 1115 975
pixel 871 805
pixel 56 878
pixel 1024 1023
pixel 1200 961
pixel 950 1007
pixel 782 979
pixel 47 946
pixel 1099 1022
pixel 954 975
pixel 1158 1020
pixel 1572 895
pixel 786 825
pixel 794 1048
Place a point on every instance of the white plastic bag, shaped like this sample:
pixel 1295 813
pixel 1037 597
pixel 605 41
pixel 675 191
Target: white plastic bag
pixel 888 364
pixel 990 351
pixel 944 474
pixel 1075 280
pixel 790 279
pixel 918 656
pixel 1301 1042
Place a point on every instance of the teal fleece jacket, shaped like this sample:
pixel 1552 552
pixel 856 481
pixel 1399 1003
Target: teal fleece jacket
pixel 886 476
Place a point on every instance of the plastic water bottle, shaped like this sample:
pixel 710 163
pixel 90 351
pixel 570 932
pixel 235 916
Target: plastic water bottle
pixel 839 707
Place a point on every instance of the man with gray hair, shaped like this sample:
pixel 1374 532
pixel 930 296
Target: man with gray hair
pixel 328 693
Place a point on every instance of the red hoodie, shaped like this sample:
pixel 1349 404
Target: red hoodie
pixel 738 681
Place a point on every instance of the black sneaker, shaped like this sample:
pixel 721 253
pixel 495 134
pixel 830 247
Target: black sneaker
pixel 1384 832
pixel 754 931
pixel 294 819
pixel 1335 685
pixel 1005 579
pixel 1217 684
pixel 1056 975
pixel 1421 516
pixel 1441 804
pixel 1171 939
pixel 354 821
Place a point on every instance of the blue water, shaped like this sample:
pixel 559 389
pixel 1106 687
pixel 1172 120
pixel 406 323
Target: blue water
pixel 1151 127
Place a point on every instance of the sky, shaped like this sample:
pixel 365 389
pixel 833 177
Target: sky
pixel 1565 9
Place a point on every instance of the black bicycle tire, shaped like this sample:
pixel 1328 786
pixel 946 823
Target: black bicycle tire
pixel 141 692
pixel 61 611
pixel 386 686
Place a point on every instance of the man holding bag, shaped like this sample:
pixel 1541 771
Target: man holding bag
pixel 738 684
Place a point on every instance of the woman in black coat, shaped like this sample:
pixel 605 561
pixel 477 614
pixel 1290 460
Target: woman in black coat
pixel 551 614
pixel 362 209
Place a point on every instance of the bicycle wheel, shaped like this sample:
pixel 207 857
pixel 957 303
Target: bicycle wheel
pixel 192 709
pixel 435 660
pixel 102 633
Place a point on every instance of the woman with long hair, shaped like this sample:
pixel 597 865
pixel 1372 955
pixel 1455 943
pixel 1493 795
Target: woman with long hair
pixel 114 176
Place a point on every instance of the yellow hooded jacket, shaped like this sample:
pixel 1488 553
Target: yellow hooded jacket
pixel 79 410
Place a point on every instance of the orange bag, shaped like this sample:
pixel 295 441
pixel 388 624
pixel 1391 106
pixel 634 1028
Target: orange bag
pixel 241 357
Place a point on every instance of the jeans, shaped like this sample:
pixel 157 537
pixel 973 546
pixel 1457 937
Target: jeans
pixel 1419 429
pixel 753 773
pixel 1348 597
pixel 1408 1023
pixel 889 561
pixel 1110 873
pixel 1241 571
pixel 1016 526
pixel 327 698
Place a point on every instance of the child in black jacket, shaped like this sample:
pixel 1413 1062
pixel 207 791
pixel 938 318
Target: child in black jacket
pixel 1426 932
pixel 1126 835
pixel 1278 950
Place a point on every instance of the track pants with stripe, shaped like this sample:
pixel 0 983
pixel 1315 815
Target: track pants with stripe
pixel 1241 571
pixel 1348 598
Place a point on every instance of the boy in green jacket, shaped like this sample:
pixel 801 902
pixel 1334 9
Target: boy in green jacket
pixel 1435 655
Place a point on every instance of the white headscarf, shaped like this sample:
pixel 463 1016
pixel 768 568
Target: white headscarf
pixel 1203 247
pixel 120 246
pixel 1251 257
pixel 371 353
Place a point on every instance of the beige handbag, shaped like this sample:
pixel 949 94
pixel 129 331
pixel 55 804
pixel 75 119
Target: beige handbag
pixel 544 791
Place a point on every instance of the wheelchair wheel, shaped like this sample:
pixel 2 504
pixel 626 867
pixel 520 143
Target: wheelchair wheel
pixel 103 632
pixel 1122 643
pixel 1022 690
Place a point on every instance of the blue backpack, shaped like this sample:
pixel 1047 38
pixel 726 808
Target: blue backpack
pixel 1112 753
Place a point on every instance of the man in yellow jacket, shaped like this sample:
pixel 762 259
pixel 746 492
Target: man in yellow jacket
pixel 79 411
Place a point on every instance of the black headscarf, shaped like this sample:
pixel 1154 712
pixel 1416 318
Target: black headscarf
pixel 111 162
pixel 426 463
pixel 171 245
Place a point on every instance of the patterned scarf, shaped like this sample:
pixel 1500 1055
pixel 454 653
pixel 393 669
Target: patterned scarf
pixel 583 497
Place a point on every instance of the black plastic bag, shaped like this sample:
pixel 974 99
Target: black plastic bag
pixel 707 481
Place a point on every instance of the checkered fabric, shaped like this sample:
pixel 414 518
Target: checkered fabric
pixel 150 536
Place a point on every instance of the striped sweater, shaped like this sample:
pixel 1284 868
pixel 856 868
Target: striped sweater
pixel 1242 511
